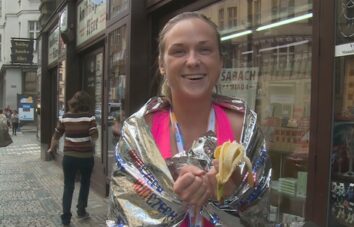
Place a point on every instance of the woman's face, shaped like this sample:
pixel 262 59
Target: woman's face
pixel 191 61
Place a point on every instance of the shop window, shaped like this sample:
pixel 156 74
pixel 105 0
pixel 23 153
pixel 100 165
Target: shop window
pixel 61 105
pixel 341 196
pixel 117 73
pixel 93 74
pixel 277 59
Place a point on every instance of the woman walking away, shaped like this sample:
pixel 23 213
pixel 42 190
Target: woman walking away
pixel 14 121
pixel 79 126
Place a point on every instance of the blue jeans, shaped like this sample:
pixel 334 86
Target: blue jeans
pixel 70 166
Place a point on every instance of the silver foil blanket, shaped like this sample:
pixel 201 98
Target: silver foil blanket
pixel 141 190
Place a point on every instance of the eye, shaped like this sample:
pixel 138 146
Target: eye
pixel 178 52
pixel 205 50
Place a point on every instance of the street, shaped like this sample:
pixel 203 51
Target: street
pixel 31 189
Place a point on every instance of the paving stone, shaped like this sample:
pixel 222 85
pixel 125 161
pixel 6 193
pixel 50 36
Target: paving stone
pixel 31 189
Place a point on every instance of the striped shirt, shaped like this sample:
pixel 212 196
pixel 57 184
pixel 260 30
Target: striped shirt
pixel 79 128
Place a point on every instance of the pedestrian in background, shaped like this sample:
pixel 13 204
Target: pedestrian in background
pixel 79 127
pixel 8 113
pixel 14 122
pixel 5 138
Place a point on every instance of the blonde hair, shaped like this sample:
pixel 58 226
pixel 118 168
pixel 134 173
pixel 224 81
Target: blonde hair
pixel 165 89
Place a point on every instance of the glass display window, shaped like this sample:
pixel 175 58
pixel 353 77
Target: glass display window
pixel 117 73
pixel 341 196
pixel 61 105
pixel 267 53
pixel 93 74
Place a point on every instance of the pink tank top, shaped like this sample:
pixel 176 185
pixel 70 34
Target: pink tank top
pixel 161 132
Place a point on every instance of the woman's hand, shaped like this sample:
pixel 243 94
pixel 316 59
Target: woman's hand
pixel 192 186
pixel 230 186
pixel 51 150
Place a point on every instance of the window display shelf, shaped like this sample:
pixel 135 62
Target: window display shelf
pixel 288 203
pixel 342 177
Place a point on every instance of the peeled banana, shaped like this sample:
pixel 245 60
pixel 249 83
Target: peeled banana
pixel 230 155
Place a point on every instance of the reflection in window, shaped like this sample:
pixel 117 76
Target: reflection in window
pixel 267 62
pixel 117 42
pixel 93 72
pixel 232 17
pixel 61 88
pixel 221 19
pixel 61 96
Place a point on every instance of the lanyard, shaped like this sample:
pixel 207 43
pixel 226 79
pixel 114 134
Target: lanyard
pixel 194 221
pixel 178 132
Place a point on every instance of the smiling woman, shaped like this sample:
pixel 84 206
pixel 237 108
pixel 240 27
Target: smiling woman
pixel 153 154
pixel 191 62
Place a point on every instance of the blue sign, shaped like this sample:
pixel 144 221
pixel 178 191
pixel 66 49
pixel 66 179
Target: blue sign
pixel 25 107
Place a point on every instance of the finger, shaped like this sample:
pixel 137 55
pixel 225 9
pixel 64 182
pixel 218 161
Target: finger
pixel 201 194
pixel 183 182
pixel 216 163
pixel 191 169
pixel 212 182
pixel 204 199
pixel 193 192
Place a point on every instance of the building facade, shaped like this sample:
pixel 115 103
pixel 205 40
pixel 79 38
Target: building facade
pixel 278 56
pixel 18 75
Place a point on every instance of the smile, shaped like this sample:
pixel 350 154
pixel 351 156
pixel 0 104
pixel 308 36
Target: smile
pixel 193 76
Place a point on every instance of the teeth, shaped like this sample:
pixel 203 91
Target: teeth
pixel 194 77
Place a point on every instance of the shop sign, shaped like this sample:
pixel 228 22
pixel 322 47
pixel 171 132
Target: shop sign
pixel 53 46
pixel 25 107
pixel 21 51
pixel 91 19
pixel 239 83
pixel 344 49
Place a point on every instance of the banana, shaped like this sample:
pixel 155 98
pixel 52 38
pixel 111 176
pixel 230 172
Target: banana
pixel 230 155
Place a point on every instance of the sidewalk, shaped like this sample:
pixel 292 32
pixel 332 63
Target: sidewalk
pixel 31 189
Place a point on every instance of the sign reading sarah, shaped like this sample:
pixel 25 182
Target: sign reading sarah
pixel 239 83
pixel 91 19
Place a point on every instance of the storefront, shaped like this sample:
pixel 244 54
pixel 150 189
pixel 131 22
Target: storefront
pixel 278 56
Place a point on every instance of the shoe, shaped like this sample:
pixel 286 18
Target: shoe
pixel 65 219
pixel 83 215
